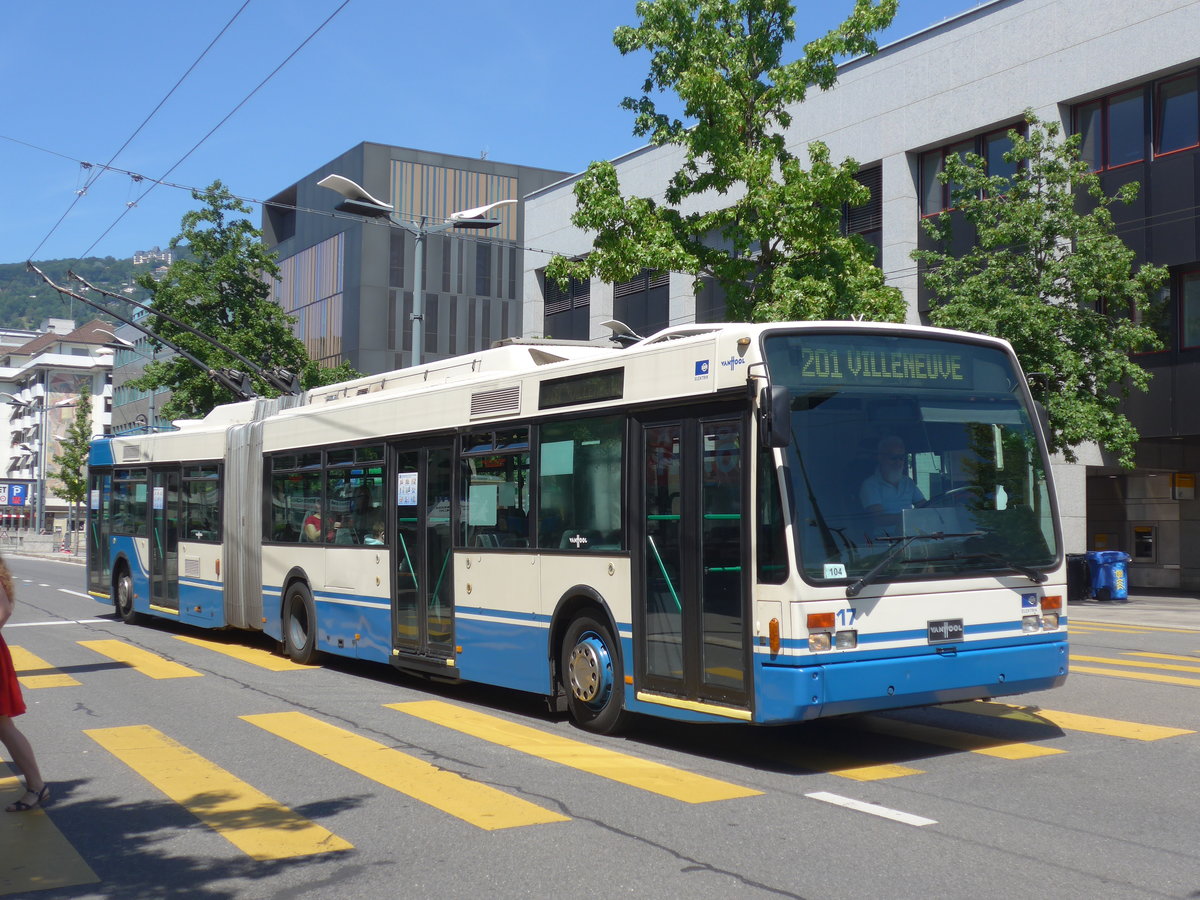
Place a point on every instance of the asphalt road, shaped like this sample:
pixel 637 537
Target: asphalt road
pixel 182 767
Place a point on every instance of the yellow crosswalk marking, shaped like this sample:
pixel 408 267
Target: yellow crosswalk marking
pixel 1070 721
pixel 640 773
pixel 149 664
pixel 1138 676
pixel 37 857
pixel 256 656
pixel 247 818
pixel 1133 664
pixel 957 740
pixel 47 676
pixel 475 803
pixel 845 767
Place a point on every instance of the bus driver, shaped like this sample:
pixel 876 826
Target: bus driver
pixel 889 490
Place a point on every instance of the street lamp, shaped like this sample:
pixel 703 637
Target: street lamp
pixel 360 202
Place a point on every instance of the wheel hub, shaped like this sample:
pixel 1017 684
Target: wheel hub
pixel 589 671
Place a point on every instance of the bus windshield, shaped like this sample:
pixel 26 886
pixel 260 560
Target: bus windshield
pixel 910 458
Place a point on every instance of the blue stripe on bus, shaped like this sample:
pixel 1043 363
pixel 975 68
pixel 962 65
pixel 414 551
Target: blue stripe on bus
pixel 786 693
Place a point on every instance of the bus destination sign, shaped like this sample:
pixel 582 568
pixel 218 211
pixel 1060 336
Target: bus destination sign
pixel 847 365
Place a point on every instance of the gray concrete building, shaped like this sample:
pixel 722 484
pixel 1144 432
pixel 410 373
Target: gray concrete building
pixel 1125 75
pixel 349 281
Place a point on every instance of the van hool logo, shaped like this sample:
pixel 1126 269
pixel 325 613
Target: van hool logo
pixel 733 362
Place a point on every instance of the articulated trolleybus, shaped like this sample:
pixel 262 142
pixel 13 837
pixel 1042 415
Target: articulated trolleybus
pixel 757 523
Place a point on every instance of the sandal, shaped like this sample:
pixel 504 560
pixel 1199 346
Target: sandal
pixel 41 799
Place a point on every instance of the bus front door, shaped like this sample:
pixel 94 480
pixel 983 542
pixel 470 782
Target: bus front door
pixel 692 639
pixel 423 571
pixel 164 539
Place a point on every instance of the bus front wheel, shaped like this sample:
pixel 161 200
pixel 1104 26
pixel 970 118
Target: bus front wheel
pixel 592 676
pixel 300 625
pixel 125 599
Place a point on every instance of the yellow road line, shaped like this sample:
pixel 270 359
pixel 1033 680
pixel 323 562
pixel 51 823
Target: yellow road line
pixel 24 661
pixel 1138 676
pixel 247 818
pixel 1133 664
pixel 640 773
pixel 1070 721
pixel 475 803
pixel 1136 628
pixel 149 664
pixel 256 656
pixel 957 740
pixel 36 855
pixel 1195 659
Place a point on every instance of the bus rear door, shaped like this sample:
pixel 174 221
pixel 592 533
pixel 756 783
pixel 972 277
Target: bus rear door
pixel 164 539
pixel 423 571
pixel 692 639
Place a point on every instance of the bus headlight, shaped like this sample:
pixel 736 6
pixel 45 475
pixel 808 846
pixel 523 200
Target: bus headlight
pixel 1030 623
pixel 1050 621
pixel 819 641
pixel 846 640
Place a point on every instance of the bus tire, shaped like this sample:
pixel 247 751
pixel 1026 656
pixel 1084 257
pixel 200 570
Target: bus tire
pixel 299 624
pixel 592 676
pixel 123 599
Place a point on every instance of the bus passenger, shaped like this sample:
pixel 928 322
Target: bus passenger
pixel 376 536
pixel 312 525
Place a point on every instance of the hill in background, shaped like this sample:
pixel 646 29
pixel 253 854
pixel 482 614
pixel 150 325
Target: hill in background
pixel 26 301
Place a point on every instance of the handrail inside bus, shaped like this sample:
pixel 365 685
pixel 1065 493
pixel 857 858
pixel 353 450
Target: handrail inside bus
pixel 662 568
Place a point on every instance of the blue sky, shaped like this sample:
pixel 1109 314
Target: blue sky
pixel 536 82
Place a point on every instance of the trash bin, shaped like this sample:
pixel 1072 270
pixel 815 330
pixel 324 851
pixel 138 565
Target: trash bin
pixel 1079 581
pixel 1109 574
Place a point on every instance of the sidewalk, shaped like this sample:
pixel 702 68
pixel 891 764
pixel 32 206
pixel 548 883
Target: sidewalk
pixel 1146 606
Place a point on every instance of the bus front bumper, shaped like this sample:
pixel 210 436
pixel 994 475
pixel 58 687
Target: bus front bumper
pixel 791 693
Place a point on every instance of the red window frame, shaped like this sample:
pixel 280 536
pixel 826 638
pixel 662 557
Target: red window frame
pixel 1105 148
pixel 1158 116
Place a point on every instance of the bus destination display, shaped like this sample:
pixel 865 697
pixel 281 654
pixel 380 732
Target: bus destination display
pixel 867 365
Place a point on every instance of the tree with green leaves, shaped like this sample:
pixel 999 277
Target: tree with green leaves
pixel 1048 273
pixel 72 461
pixel 222 289
pixel 768 230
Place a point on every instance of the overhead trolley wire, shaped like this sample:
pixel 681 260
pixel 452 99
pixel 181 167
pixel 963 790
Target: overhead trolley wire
pixel 100 170
pixel 155 182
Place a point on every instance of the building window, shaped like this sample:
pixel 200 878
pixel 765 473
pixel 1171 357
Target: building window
pixel 1176 115
pixel 1189 309
pixel 642 303
pixel 867 220
pixel 566 309
pixel 937 197
pixel 1112 129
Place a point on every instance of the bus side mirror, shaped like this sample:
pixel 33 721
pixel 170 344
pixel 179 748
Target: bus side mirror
pixel 1044 417
pixel 775 416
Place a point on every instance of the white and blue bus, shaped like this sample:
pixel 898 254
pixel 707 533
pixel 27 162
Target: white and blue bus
pixel 758 523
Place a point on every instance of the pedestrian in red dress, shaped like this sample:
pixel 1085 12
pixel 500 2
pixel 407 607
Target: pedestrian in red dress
pixel 37 792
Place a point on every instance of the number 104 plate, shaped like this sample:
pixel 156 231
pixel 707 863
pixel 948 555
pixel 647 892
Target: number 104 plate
pixel 945 630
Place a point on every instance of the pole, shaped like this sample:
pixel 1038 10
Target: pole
pixel 418 313
pixel 39 514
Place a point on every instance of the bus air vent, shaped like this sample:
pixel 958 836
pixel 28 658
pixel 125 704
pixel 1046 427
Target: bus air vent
pixel 490 403
pixel 131 454
pixel 191 566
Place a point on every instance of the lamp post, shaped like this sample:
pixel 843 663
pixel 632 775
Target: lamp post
pixel 361 203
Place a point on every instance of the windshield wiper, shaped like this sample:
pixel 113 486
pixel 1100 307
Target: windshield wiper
pixel 870 575
pixel 1032 574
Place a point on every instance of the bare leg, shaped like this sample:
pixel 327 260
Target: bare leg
pixel 22 755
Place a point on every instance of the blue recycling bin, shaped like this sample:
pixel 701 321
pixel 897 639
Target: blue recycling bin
pixel 1109 574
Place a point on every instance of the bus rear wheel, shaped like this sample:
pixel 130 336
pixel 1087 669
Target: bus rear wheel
pixel 124 598
pixel 299 625
pixel 592 676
